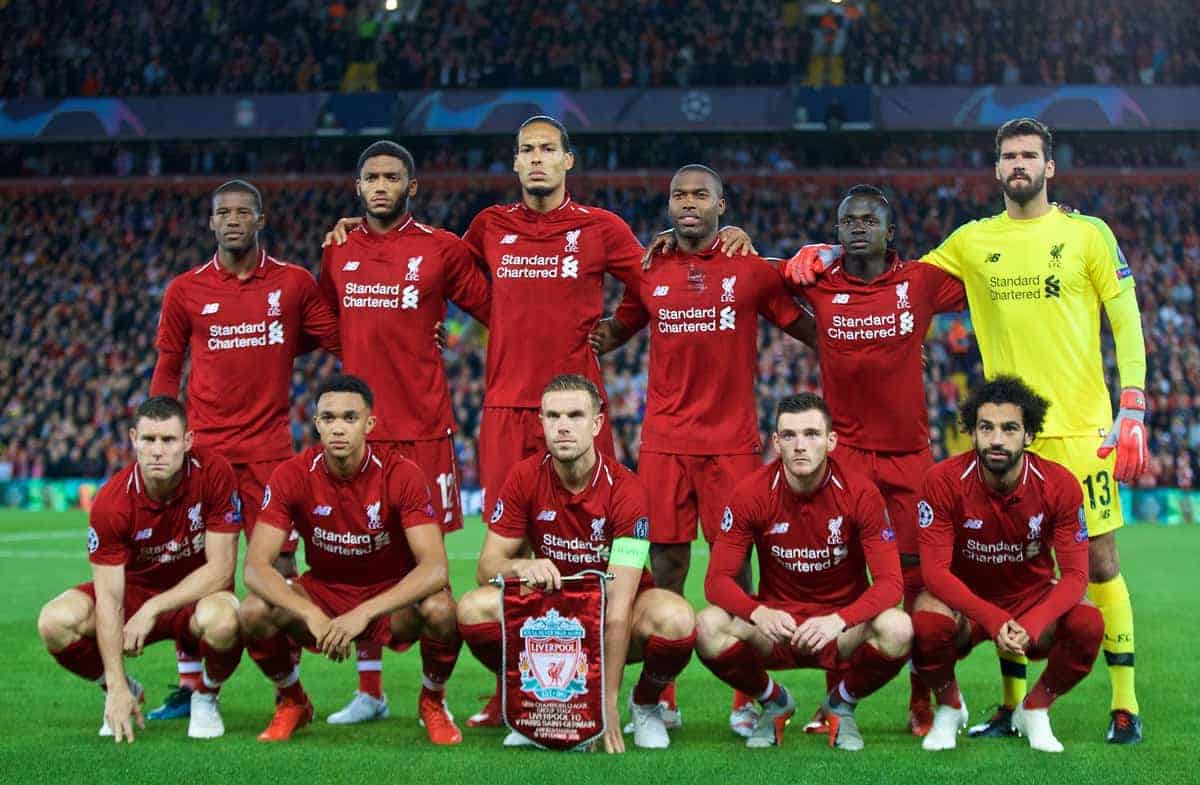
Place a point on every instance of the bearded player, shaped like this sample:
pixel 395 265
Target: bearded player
pixel 243 317
pixel 1036 279
pixel 390 284
pixel 162 540
pixel 378 568
pixel 550 505
pixel 994 522
pixel 816 529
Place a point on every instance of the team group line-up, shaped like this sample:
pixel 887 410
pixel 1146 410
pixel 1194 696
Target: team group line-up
pixel 869 555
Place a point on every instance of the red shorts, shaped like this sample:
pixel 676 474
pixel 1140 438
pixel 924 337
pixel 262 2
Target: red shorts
pixel 784 657
pixel 898 476
pixel 687 487
pixel 252 479
pixel 438 461
pixel 173 625
pixel 334 599
pixel 507 436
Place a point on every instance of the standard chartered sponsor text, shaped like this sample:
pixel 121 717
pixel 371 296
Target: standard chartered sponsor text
pixel 243 335
pixel 371 295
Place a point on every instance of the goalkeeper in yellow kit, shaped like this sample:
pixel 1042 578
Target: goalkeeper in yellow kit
pixel 1036 278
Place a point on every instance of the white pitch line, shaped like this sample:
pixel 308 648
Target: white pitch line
pixel 47 534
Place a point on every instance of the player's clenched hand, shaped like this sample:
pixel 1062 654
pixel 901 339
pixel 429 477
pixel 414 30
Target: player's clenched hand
pixel 137 629
pixel 603 338
pixel 663 242
pixel 341 633
pixel 1012 639
pixel 318 625
pixel 540 573
pixel 810 263
pixel 340 231
pixel 735 241
pixel 816 632
pixel 777 625
pixel 1128 436
pixel 614 740
pixel 120 706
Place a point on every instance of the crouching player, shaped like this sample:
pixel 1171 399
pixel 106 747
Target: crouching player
pixel 162 540
pixel 988 522
pixel 816 530
pixel 578 509
pixel 378 569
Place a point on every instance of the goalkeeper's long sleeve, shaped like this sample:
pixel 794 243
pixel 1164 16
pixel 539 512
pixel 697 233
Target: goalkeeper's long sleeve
pixel 1126 321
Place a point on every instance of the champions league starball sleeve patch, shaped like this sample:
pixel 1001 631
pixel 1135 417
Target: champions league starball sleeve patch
pixel 924 514
pixel 498 511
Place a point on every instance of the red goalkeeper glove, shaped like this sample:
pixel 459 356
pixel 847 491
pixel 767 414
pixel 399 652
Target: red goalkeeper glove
pixel 810 263
pixel 1128 436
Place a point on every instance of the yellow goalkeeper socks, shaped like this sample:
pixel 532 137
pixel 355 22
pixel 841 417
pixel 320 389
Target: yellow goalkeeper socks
pixel 1112 598
pixel 1012 673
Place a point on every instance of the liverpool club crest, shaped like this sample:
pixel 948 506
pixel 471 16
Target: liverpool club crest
pixel 553 665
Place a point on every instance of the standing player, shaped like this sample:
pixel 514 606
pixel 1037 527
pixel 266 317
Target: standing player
pixel 389 285
pixel 378 568
pixel 872 313
pixel 817 530
pixel 700 431
pixel 244 317
pixel 576 508
pixel 989 520
pixel 162 540
pixel 1036 278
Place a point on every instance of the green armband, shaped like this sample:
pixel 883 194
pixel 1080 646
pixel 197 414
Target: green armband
pixel 629 552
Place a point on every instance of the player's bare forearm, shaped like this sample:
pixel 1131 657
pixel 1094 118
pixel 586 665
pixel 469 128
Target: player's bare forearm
pixel 110 622
pixel 215 575
pixel 263 579
pixel 618 615
pixel 499 557
pixel 424 579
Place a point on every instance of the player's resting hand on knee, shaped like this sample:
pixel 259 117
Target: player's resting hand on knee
pixel 777 625
pixel 1128 437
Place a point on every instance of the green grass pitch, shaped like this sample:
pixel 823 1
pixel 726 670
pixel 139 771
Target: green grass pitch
pixel 48 718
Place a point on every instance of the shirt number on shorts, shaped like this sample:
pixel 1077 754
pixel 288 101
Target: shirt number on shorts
pixel 446 485
pixel 1102 483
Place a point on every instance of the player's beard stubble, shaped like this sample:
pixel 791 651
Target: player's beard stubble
pixel 1023 191
pixel 387 215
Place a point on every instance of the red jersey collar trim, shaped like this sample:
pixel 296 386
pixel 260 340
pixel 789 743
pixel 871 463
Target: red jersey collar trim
pixel 362 227
pixel 136 485
pixel 1020 486
pixel 530 212
pixel 893 259
pixel 258 271
pixel 780 479
pixel 368 459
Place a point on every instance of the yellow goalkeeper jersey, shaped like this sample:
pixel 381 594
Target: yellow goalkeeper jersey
pixel 1035 288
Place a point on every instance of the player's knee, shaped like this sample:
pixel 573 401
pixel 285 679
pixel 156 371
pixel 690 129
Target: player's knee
pixel 60 622
pixel 217 616
pixel 932 631
pixel 893 633
pixel 1085 625
pixel 478 606
pixel 254 618
pixel 439 614
pixel 1103 562
pixel 712 631
pixel 673 618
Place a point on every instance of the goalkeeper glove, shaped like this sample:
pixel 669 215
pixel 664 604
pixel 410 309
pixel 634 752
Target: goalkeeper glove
pixel 1128 436
pixel 809 263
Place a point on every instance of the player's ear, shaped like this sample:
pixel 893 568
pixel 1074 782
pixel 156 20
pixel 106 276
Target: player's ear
pixel 831 441
pixel 370 423
pixel 597 423
pixel 570 160
pixel 412 188
pixel 133 437
pixel 189 439
pixel 1050 169
pixel 721 205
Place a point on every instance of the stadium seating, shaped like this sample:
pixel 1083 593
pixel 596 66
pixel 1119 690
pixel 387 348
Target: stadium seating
pixel 85 271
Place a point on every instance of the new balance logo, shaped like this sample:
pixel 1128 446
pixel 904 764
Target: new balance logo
pixel 570 267
pixel 660 291
pixel 409 298
pixel 728 318
pixel 993 258
pixel 323 510
pixel 209 309
pixel 547 515
pixel 1053 286
pixel 350 267
pixel 841 299
pixel 779 528
pixel 972 523
pixel 143 534
pixel 508 239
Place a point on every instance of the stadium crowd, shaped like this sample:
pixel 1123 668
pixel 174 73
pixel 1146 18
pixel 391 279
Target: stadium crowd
pixel 306 45
pixel 85 271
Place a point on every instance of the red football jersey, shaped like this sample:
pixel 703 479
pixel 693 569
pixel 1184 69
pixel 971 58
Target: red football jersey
pixel 388 291
pixel 869 338
pixel 243 336
pixel 575 531
pixel 703 313
pixel 160 543
pixel 353 528
pixel 547 274
pixel 982 552
pixel 814 550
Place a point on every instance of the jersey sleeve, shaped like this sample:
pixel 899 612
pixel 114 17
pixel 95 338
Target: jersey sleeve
pixel 317 320
pixel 883 560
pixel 108 535
pixel 631 313
pixel 222 501
pixel 935 523
pixel 630 514
pixel 466 285
pixel 473 237
pixel 949 255
pixel 729 554
pixel 1106 266
pixel 325 283
pixel 623 252
pixel 944 292
pixel 281 497
pixel 775 302
pixel 408 495
pixel 1071 553
pixel 510 516
pixel 174 326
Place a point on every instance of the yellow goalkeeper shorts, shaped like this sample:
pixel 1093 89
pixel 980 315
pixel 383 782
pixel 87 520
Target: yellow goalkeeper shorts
pixel 1101 502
